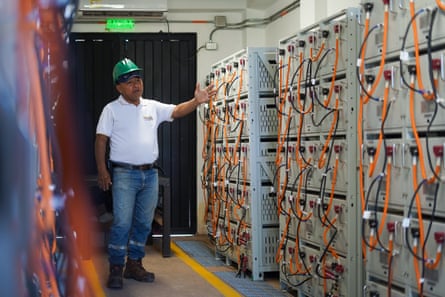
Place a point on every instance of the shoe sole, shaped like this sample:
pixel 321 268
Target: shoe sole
pixel 140 280
pixel 115 287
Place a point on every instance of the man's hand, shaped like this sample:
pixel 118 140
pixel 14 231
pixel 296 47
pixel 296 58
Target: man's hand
pixel 104 180
pixel 204 95
pixel 201 96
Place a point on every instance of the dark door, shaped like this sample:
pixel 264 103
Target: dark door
pixel 169 63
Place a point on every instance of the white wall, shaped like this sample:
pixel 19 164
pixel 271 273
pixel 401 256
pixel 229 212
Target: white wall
pixel 283 27
pixel 335 6
pixel 182 12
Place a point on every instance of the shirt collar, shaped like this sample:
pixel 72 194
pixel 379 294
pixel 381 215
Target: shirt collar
pixel 122 101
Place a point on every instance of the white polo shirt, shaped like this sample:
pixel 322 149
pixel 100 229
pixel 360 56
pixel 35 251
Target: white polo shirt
pixel 133 129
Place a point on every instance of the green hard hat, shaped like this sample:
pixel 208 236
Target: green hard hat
pixel 124 69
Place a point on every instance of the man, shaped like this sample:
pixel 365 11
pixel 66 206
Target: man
pixel 130 124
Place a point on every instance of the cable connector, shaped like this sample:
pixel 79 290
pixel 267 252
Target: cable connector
pixel 415 232
pixel 412 69
pixel 366 214
pixel 436 64
pixel 438 151
pixel 337 148
pixel 312 39
pixel 389 151
pixel 404 56
pixel 290 48
pixel 368 6
pixel 439 237
pixel 369 79
pixel 414 151
pixel 312 204
pixel 387 74
pixel 391 227
pixel 406 222
pixel 337 28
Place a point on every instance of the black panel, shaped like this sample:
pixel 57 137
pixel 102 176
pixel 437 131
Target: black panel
pixel 169 63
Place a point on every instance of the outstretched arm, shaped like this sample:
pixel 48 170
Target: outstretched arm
pixel 201 96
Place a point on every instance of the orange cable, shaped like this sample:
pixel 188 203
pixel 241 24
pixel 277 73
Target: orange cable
pixel 379 143
pixel 413 126
pixel 390 255
pixel 322 160
pixel 238 97
pixel 280 116
pixel 417 272
pixel 426 95
pixel 278 255
pixel 360 133
pixel 436 262
pixel 315 59
pixel 286 86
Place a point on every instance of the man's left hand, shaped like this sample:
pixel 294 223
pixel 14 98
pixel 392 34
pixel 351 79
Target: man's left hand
pixel 204 95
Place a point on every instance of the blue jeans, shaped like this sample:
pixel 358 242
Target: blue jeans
pixel 135 197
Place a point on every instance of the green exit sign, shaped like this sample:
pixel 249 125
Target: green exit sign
pixel 119 24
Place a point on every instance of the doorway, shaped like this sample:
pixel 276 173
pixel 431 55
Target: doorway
pixel 169 67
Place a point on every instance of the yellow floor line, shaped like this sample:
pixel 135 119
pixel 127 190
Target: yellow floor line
pixel 92 276
pixel 221 286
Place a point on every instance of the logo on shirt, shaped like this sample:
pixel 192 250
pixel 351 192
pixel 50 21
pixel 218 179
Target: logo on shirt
pixel 148 118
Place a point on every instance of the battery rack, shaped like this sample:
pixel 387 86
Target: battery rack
pixel 401 75
pixel 240 130
pixel 316 179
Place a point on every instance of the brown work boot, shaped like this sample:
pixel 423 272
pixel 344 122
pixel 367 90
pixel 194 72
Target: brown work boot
pixel 115 278
pixel 135 270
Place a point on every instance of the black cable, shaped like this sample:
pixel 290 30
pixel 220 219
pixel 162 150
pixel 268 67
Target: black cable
pixel 430 58
pixel 431 76
pixel 324 255
pixel 315 75
pixel 377 178
pixel 385 160
pixel 328 161
pixel 359 79
pixel 408 244
pixel 322 119
pixel 292 83
pixel 402 50
pixel 275 90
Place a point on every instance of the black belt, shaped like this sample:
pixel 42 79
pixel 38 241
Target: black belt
pixel 132 167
